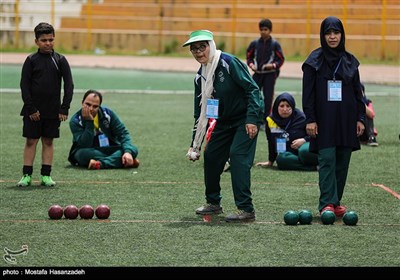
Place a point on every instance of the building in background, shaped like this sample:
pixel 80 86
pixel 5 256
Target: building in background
pixel 159 27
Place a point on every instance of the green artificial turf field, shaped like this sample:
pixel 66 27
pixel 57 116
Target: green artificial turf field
pixel 152 221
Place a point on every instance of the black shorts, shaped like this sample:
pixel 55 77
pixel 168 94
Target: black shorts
pixel 49 128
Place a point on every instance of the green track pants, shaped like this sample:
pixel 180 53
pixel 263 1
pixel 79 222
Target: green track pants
pixel 333 168
pixel 231 143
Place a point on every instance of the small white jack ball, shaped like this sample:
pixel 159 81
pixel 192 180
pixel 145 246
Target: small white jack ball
pixel 193 155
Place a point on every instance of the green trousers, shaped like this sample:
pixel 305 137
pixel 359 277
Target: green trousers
pixel 109 157
pixel 305 160
pixel 231 143
pixel 333 168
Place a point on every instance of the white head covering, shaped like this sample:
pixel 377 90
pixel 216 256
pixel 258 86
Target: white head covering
pixel 207 88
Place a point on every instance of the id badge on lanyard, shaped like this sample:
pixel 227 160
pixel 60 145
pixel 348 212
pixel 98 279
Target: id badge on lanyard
pixel 212 108
pixel 335 87
pixel 103 140
pixel 280 145
pixel 334 90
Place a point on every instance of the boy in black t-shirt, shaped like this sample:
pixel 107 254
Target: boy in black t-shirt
pixel 41 81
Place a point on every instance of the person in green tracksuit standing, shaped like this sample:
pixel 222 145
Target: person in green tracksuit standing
pixel 224 90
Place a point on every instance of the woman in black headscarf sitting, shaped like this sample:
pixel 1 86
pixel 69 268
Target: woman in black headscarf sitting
pixel 288 142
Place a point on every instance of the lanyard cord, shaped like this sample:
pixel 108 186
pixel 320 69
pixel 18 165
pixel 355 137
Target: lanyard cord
pixel 287 125
pixel 337 67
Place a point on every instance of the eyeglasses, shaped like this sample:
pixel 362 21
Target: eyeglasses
pixel 201 48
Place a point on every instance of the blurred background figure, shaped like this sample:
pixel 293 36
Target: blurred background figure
pixel 370 132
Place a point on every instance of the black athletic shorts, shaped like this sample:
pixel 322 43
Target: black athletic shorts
pixel 49 128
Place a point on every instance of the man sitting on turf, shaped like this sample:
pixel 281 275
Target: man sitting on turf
pixel 100 139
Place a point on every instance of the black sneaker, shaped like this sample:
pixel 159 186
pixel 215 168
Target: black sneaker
pixel 209 209
pixel 241 216
pixel 372 142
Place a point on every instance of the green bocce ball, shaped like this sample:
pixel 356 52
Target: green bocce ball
pixel 305 217
pixel 328 217
pixel 291 218
pixel 350 218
